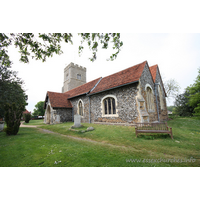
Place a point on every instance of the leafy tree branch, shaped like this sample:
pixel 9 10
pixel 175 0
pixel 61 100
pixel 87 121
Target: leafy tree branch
pixel 43 45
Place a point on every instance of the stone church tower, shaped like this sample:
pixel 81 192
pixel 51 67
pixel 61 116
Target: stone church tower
pixel 74 76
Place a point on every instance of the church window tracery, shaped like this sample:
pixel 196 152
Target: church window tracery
pixel 80 108
pixel 109 106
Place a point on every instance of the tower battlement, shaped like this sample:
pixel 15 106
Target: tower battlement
pixel 74 76
pixel 74 66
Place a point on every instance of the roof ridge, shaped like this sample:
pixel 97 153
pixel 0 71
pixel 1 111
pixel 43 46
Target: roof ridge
pixel 56 92
pixel 156 65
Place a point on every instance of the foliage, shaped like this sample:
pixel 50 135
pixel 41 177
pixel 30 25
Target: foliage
pixel 13 116
pixel 45 45
pixel 93 40
pixel 172 116
pixel 27 117
pixel 182 108
pixel 10 85
pixel 39 109
pixel 171 88
pixel 194 92
pixel 170 108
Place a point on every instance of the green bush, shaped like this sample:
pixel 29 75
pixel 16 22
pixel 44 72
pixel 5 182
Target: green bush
pixel 13 116
pixel 27 117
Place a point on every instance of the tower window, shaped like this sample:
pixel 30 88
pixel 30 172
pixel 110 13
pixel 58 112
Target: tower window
pixel 79 76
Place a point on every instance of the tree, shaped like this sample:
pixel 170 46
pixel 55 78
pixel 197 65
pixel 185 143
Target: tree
pixel 182 108
pixel 13 116
pixel 45 45
pixel 194 92
pixel 39 109
pixel 170 108
pixel 171 88
pixel 11 90
pixel 27 117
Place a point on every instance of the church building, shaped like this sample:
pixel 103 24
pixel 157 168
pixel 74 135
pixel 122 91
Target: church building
pixel 133 95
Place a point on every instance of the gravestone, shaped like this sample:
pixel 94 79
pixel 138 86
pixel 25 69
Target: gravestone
pixel 1 125
pixel 57 119
pixel 77 121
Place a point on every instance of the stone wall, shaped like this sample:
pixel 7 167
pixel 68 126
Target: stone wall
pixel 163 114
pixel 85 101
pixel 145 79
pixel 57 115
pixel 126 110
pixel 64 113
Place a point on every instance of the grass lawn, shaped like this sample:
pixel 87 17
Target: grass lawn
pixel 35 122
pixel 107 145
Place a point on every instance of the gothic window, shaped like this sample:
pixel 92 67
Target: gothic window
pixel 150 99
pixel 80 108
pixel 109 106
pixel 79 76
pixel 160 97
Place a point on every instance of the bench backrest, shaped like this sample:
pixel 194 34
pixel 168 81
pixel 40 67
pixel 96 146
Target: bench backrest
pixel 152 126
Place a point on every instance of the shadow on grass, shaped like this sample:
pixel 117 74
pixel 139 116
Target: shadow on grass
pixel 154 137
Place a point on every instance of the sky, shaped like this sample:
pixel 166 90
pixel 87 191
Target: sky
pixel 177 55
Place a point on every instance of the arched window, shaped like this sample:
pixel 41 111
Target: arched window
pixel 109 106
pixel 80 108
pixel 150 99
pixel 161 97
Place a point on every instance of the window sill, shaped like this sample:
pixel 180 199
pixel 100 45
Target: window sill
pixel 114 115
pixel 151 111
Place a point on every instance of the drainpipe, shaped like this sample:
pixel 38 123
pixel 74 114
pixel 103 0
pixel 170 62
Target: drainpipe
pixel 89 111
pixel 72 114
pixel 157 100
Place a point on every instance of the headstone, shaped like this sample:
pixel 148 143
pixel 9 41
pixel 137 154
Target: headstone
pixel 57 119
pixel 77 121
pixel 1 125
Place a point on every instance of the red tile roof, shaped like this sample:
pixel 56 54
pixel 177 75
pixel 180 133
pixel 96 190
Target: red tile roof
pixel 60 100
pixel 26 111
pixel 83 89
pixel 153 70
pixel 123 77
